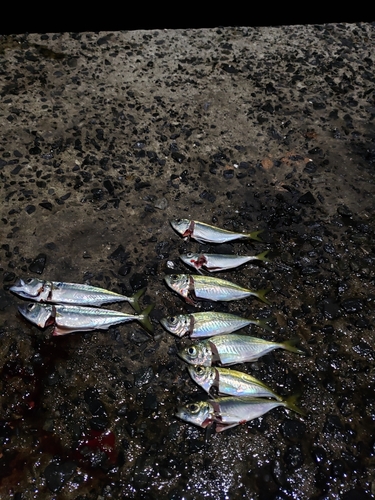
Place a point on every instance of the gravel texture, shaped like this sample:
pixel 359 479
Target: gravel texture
pixel 106 137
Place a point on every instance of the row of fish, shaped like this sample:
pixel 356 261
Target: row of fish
pixel 237 396
pixel 73 307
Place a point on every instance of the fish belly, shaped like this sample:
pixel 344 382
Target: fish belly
pixel 232 410
pixel 234 386
pixel 231 354
pixel 204 328
pixel 71 293
pixel 218 293
pixel 75 319
pixel 225 262
pixel 203 232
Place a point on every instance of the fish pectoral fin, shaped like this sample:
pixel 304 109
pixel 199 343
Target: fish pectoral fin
pixel 191 301
pixel 50 321
pixel 214 269
pixel 57 331
pixel 206 423
pixel 223 427
pixel 199 240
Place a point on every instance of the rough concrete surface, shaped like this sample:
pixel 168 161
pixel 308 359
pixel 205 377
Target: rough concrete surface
pixel 105 138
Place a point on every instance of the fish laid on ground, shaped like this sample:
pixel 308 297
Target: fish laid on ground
pixel 230 382
pixel 207 324
pixel 205 233
pixel 227 412
pixel 231 349
pixel 218 262
pixel 56 292
pixel 67 319
pixel 194 288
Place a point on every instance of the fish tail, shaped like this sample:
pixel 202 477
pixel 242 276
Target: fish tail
pixel 291 404
pixel 144 318
pixel 134 299
pixel 290 345
pixel 263 256
pixel 261 294
pixel 255 235
pixel 262 323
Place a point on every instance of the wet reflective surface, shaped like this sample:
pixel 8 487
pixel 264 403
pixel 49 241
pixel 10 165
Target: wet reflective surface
pixel 106 138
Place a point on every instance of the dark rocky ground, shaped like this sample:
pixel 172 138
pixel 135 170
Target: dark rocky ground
pixel 105 137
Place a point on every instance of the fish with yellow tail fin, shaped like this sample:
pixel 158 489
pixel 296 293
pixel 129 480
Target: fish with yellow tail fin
pixel 227 412
pixel 204 233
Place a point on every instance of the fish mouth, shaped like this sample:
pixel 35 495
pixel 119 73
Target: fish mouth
pixel 164 324
pixel 24 310
pixel 18 287
pixel 181 413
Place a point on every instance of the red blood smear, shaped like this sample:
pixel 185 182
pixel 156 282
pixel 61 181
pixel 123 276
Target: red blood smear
pixel 100 440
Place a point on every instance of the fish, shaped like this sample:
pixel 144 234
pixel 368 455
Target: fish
pixel 204 233
pixel 230 349
pixel 230 382
pixel 57 292
pixel 193 288
pixel 213 262
pixel 208 324
pixel 227 412
pixel 67 319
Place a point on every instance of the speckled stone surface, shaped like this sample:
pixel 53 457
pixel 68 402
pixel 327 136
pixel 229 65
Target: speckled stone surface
pixel 106 137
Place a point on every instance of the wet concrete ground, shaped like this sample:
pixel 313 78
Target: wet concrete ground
pixel 105 137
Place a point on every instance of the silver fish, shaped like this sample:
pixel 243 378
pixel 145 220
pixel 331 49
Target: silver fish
pixel 205 233
pixel 207 324
pixel 231 349
pixel 193 288
pixel 227 412
pixel 67 319
pixel 230 382
pixel 218 262
pixel 57 292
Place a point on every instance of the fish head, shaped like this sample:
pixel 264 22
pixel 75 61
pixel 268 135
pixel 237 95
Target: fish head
pixel 179 283
pixel 178 325
pixel 197 354
pixel 191 259
pixel 181 226
pixel 39 314
pixel 203 376
pixel 29 288
pixel 199 413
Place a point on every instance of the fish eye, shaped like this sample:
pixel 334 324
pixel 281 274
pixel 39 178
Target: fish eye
pixel 189 254
pixel 29 281
pixel 199 370
pixel 30 307
pixel 172 319
pixel 191 351
pixel 194 408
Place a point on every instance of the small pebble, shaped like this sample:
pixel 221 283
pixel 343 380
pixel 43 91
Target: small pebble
pixel 38 264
